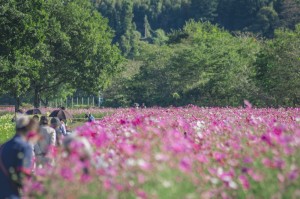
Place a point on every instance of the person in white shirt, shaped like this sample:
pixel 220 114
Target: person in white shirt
pixel 46 143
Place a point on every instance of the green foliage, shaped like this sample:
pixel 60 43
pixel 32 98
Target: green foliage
pixel 260 16
pixel 266 21
pixel 21 27
pixel 50 49
pixel 207 66
pixel 203 69
pixel 278 67
pixel 7 128
pixel 56 47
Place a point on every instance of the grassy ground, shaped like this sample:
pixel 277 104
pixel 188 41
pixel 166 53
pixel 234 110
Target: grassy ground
pixel 7 128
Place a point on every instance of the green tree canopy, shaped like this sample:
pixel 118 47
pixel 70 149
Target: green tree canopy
pixel 72 47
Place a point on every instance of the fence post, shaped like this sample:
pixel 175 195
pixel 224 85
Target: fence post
pixel 93 101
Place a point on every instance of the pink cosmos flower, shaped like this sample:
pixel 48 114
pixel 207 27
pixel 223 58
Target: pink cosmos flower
pixel 244 181
pixel 185 164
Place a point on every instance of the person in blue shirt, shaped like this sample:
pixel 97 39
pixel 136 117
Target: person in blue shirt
pixel 90 117
pixel 16 158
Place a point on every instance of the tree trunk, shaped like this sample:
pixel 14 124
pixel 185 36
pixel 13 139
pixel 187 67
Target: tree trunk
pixel 18 103
pixel 37 98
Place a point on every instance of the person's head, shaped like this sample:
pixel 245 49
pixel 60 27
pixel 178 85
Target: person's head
pixel 86 115
pixel 55 122
pixel 36 117
pixel 26 126
pixel 63 108
pixel 44 120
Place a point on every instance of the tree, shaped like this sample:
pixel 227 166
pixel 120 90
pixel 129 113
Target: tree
pixel 147 32
pixel 21 27
pixel 289 13
pixel 238 15
pixel 208 69
pixel 160 37
pixel 266 22
pixel 79 49
pixel 204 10
pixel 74 50
pixel 203 68
pixel 278 68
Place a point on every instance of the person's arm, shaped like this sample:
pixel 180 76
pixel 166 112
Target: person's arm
pixel 63 129
pixel 53 138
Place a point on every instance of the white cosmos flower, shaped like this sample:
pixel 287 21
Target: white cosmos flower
pixel 232 185
pixel 131 162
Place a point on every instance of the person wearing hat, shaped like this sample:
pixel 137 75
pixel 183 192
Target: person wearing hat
pixel 16 158
pixel 46 143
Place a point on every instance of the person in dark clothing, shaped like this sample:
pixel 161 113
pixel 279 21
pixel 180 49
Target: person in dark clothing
pixel 90 117
pixel 16 158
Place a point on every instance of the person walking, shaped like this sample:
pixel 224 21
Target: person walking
pixel 16 158
pixel 46 143
pixel 55 124
pixel 63 127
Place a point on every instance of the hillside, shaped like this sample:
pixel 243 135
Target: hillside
pixel 260 17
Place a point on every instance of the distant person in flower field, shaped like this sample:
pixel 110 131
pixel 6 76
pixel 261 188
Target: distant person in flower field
pixel 55 124
pixel 78 147
pixel 46 143
pixel 16 158
pixel 63 127
pixel 143 105
pixel 90 117
pixel 136 105
pixel 36 117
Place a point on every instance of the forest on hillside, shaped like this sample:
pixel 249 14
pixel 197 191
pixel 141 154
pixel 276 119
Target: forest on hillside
pixel 147 19
pixel 206 52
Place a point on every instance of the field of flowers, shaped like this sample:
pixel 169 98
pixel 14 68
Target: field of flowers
pixel 180 153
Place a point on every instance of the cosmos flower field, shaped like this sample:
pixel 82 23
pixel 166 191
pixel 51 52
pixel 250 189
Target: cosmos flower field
pixel 187 152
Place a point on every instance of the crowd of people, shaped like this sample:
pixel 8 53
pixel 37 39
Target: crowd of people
pixel 30 149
